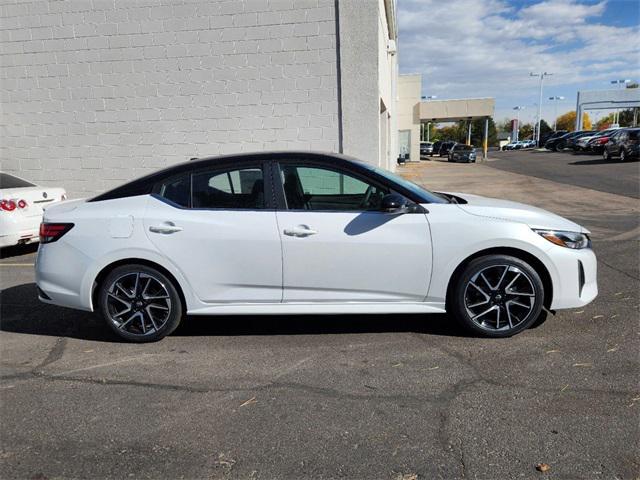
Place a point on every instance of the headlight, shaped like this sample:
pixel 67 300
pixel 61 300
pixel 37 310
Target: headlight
pixel 573 240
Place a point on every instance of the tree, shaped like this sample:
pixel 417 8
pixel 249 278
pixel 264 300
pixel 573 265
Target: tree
pixel 525 131
pixel 545 129
pixel 626 120
pixel 567 121
pixel 477 132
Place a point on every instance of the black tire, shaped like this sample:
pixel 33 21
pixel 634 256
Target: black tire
pixel 164 293
pixel 516 316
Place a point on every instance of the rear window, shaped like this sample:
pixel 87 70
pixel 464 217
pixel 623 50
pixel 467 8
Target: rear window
pixel 633 134
pixel 9 181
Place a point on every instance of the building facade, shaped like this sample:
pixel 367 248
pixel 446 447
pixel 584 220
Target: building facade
pixel 97 92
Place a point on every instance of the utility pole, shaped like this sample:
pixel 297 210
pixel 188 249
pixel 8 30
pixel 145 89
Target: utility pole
pixel 541 76
pixel 517 108
pixel 555 99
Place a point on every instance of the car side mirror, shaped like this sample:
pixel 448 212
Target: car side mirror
pixel 394 203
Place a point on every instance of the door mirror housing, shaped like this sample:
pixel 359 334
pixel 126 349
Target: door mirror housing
pixel 394 203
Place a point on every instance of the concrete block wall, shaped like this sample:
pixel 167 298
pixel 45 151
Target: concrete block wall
pixel 97 92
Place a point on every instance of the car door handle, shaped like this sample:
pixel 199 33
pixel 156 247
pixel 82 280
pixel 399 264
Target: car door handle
pixel 165 228
pixel 299 231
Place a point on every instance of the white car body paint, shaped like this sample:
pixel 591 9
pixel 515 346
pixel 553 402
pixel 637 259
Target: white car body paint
pixel 243 262
pixel 22 225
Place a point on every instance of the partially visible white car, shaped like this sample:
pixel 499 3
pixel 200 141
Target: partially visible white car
pixel 21 206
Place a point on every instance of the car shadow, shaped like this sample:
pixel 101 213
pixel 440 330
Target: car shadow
pixel 600 161
pixel 18 250
pixel 21 312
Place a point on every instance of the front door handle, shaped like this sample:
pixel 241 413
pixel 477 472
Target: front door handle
pixel 300 231
pixel 166 228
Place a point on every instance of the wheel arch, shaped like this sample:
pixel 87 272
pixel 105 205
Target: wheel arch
pixel 523 255
pixel 102 274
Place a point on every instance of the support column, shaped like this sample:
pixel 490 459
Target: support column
pixel 485 142
pixel 469 134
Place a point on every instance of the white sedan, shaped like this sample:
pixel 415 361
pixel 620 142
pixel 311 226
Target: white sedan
pixel 21 205
pixel 306 233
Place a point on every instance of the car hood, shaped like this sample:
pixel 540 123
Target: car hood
pixel 517 212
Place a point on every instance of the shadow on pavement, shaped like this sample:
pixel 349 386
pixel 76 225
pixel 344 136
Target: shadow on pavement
pixel 18 250
pixel 21 312
pixel 600 161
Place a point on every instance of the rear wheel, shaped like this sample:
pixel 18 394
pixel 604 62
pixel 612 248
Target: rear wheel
pixel 139 303
pixel 497 296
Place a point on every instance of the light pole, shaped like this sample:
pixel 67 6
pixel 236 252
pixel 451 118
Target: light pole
pixel 517 108
pixel 555 111
pixel 541 75
pixel 623 83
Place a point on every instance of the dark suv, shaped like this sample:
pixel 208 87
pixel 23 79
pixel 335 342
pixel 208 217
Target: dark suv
pixel 462 153
pixel 623 144
pixel 445 147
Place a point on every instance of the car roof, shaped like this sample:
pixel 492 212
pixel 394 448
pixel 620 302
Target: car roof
pixel 142 185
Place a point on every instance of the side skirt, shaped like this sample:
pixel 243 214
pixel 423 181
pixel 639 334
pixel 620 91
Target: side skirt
pixel 317 308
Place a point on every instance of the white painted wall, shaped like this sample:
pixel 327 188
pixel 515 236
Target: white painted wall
pixel 97 92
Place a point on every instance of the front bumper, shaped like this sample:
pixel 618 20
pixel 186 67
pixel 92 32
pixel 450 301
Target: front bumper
pixel 575 283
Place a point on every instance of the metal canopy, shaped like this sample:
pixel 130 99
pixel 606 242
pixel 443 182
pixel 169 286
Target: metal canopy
pixel 454 110
pixel 605 99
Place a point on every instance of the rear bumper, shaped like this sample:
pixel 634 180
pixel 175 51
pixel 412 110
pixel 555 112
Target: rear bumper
pixel 15 230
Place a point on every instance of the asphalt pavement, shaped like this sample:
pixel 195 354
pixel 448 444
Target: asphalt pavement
pixel 579 169
pixel 363 397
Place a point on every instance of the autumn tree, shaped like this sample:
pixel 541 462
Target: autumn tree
pixel 567 121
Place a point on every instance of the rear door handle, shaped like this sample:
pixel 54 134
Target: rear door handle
pixel 300 231
pixel 166 228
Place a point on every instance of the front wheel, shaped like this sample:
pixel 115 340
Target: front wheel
pixel 497 296
pixel 139 303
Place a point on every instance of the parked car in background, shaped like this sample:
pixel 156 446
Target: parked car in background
pixel 573 140
pixel 582 144
pixel 426 148
pixel 549 136
pixel 297 233
pixel 445 147
pixel 596 143
pixel 624 144
pixel 529 143
pixel 512 146
pixel 462 153
pixel 436 147
pixel 21 205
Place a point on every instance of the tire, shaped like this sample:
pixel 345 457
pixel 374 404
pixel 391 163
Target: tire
pixel 151 305
pixel 509 301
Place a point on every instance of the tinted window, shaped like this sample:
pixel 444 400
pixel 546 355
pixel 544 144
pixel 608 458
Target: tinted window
pixel 237 188
pixel 9 181
pixel 176 190
pixel 315 188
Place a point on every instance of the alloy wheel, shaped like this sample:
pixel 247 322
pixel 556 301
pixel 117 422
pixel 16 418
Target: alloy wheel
pixel 138 303
pixel 499 297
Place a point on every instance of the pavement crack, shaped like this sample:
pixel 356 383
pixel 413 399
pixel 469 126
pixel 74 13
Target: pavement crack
pixel 55 354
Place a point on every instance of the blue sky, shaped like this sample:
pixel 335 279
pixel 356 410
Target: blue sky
pixel 486 48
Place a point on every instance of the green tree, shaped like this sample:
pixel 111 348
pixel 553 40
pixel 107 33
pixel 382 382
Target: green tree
pixel 545 129
pixel 525 131
pixel 477 132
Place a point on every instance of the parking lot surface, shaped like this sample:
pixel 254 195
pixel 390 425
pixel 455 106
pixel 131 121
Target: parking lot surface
pixel 390 397
pixel 581 169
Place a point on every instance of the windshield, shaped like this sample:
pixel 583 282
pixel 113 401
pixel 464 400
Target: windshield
pixel 9 181
pixel 425 195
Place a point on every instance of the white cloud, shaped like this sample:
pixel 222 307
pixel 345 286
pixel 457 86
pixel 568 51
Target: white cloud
pixel 476 48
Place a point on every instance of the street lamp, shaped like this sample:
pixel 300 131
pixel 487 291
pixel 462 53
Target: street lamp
pixel 623 83
pixel 555 99
pixel 541 76
pixel 517 108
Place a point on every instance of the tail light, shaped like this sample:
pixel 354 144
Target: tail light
pixel 22 204
pixel 8 205
pixel 51 232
